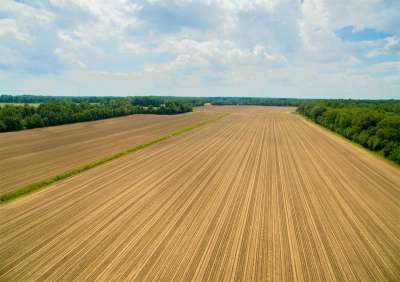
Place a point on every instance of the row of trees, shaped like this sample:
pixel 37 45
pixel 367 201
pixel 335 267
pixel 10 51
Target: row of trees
pixel 30 99
pixel 15 117
pixel 255 101
pixel 53 110
pixel 156 101
pixel 373 124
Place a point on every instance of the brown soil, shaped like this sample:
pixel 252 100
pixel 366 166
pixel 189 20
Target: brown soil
pixel 34 155
pixel 259 195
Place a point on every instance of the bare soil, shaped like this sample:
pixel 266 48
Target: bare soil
pixel 33 155
pixel 259 195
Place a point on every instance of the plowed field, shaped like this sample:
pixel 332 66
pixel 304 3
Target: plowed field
pixel 33 155
pixel 259 195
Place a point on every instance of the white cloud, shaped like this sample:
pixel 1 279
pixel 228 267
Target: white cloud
pixel 9 27
pixel 383 47
pixel 191 54
pixel 220 47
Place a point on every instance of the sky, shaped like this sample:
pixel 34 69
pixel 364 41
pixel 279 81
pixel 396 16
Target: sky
pixel 260 48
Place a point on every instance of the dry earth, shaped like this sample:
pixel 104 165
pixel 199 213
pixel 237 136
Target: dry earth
pixel 259 195
pixel 33 155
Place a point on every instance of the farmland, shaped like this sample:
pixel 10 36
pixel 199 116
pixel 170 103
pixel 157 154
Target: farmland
pixel 34 155
pixel 262 194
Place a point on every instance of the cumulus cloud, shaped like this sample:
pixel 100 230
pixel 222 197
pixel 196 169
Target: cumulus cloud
pixel 308 48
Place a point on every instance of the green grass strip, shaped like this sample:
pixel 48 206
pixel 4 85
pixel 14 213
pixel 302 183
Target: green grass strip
pixel 5 198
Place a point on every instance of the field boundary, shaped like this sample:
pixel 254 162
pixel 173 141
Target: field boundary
pixel 359 146
pixel 36 186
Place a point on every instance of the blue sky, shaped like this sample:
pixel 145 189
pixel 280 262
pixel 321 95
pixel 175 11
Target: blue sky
pixel 264 48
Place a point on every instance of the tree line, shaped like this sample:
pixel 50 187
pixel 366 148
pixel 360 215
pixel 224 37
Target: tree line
pixel 57 112
pixel 255 101
pixel 156 101
pixel 30 99
pixel 374 124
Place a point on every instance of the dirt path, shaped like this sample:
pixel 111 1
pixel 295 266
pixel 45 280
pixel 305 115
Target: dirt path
pixel 260 195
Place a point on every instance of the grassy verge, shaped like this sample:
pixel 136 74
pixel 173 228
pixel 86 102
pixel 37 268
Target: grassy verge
pixel 374 153
pixel 5 198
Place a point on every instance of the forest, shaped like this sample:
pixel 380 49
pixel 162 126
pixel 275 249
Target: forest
pixel 374 124
pixel 56 112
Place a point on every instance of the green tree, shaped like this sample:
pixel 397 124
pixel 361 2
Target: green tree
pixel 3 127
pixel 395 154
pixel 317 111
pixel 13 123
pixel 34 121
